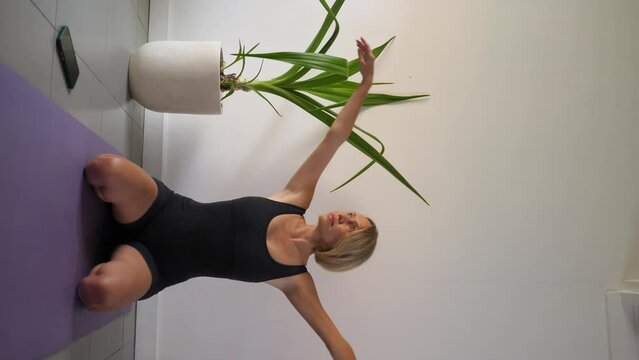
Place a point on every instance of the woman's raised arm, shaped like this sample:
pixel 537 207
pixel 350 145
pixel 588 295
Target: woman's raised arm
pixel 301 187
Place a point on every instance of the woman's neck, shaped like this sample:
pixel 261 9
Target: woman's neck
pixel 306 238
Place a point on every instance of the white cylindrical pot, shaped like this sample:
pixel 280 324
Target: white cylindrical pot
pixel 177 76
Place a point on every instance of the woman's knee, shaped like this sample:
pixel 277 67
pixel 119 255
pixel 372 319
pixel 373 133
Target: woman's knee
pixel 102 172
pixel 101 168
pixel 95 292
pixel 114 284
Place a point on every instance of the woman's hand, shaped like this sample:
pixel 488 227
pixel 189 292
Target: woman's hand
pixel 366 60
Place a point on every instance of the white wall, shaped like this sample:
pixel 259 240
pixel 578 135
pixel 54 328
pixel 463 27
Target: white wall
pixel 527 151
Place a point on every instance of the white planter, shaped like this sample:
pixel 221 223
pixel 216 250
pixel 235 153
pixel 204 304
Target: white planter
pixel 177 76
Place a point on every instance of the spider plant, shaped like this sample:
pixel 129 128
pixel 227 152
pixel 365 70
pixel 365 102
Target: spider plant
pixel 330 84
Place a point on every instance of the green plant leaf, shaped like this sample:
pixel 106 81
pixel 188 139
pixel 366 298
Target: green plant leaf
pixel 237 58
pixel 331 64
pixel 328 82
pixel 382 99
pixel 296 71
pixel 367 166
pixel 331 17
pixel 341 92
pixel 357 174
pixel 263 97
pixel 371 99
pixel 258 73
pixel 243 61
pixel 228 94
pixel 334 97
pixel 316 82
pixel 243 54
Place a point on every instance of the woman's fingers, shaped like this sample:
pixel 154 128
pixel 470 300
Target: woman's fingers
pixel 366 57
pixel 361 51
pixel 365 43
pixel 363 46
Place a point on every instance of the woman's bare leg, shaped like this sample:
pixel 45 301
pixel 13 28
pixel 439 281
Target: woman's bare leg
pixel 124 184
pixel 117 283
pixel 131 191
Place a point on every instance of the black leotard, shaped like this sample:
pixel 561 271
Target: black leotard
pixel 181 239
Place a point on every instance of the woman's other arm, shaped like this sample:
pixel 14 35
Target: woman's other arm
pixel 301 292
pixel 301 187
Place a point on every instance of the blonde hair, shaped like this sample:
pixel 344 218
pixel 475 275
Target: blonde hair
pixel 350 251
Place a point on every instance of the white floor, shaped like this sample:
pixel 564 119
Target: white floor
pixel 105 33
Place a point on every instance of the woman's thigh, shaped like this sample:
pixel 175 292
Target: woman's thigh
pixel 124 184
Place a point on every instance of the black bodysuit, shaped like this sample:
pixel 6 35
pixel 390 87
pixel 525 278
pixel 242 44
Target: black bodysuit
pixel 181 239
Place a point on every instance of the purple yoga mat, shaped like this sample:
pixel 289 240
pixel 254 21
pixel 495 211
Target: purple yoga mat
pixel 53 228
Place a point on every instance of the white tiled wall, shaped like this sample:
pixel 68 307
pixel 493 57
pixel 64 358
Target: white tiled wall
pixel 104 33
pixel 114 341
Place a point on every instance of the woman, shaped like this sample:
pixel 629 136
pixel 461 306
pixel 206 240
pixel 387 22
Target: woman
pixel 169 238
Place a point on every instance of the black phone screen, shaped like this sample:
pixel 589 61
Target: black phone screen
pixel 64 45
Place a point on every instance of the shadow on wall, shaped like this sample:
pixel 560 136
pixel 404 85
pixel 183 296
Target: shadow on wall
pixel 631 275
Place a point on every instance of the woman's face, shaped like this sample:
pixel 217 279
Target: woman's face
pixel 336 224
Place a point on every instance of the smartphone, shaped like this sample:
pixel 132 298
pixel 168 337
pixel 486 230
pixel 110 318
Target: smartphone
pixel 64 45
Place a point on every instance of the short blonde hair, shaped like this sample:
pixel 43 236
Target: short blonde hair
pixel 350 251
